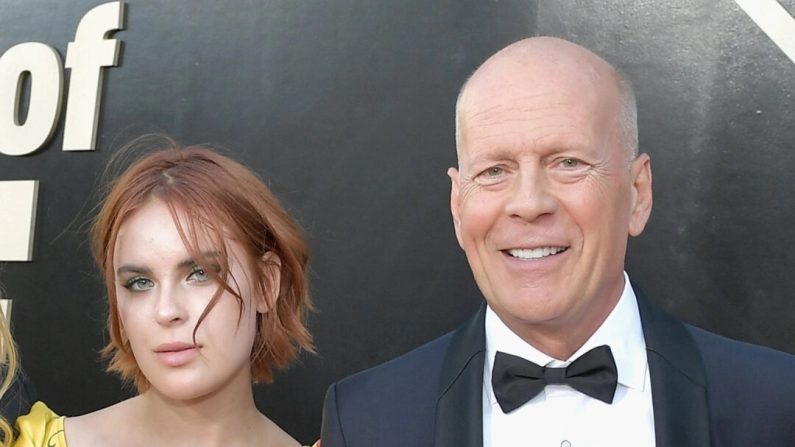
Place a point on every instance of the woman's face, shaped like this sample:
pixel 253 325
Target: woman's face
pixel 161 293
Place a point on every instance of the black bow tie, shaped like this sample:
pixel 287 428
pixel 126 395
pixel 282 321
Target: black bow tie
pixel 516 380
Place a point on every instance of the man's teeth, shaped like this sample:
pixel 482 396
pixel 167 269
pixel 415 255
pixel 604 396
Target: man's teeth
pixel 534 253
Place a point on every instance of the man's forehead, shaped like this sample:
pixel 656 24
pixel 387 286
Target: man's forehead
pixel 511 111
pixel 539 77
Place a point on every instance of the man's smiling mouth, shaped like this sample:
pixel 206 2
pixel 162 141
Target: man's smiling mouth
pixel 535 253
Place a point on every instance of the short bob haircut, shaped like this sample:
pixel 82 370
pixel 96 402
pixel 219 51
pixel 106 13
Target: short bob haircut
pixel 215 198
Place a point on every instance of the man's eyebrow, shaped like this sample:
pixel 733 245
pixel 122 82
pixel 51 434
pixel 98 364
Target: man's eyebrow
pixel 492 155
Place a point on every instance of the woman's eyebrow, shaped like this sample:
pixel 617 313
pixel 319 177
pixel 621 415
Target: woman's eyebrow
pixel 189 262
pixel 129 268
pixel 209 254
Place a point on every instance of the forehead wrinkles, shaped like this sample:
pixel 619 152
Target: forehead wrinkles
pixel 538 118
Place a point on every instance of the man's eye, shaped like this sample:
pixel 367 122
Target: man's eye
pixel 570 163
pixel 138 284
pixel 493 171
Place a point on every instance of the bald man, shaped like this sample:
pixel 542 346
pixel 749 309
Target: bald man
pixel 565 351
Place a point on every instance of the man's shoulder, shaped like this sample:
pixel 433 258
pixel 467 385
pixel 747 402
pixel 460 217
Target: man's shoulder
pixel 726 354
pixel 722 358
pixel 394 402
pixel 750 390
pixel 745 378
pixel 417 367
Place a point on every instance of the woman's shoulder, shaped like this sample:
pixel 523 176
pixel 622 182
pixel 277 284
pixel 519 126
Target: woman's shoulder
pixel 41 427
pixel 100 427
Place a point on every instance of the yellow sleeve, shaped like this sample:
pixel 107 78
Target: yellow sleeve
pixel 40 428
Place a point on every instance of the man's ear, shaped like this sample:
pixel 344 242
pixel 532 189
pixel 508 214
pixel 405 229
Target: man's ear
pixel 272 269
pixel 454 202
pixel 641 194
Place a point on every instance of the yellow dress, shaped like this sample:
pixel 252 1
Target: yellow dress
pixel 40 428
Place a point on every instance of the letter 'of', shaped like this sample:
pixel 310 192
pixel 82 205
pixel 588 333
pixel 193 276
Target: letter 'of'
pixel 86 56
pixel 46 84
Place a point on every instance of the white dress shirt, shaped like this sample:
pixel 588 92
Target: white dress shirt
pixel 563 417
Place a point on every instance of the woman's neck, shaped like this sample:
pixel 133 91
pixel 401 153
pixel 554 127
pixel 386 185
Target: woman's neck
pixel 227 416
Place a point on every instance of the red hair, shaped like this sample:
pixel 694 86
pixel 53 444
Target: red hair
pixel 217 198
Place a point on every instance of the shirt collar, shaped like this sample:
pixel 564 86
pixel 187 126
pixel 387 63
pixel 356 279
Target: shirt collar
pixel 621 330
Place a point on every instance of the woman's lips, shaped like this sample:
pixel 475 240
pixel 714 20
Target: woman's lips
pixel 176 354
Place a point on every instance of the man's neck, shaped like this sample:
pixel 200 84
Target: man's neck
pixel 561 338
pixel 557 341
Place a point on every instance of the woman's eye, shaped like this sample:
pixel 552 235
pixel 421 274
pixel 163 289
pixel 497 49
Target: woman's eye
pixel 198 274
pixel 138 284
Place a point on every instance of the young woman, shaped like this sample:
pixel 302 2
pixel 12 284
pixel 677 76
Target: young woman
pixel 207 292
pixel 16 391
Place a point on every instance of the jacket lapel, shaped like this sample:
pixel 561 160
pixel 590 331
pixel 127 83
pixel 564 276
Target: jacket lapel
pixel 681 416
pixel 459 407
pixel 678 384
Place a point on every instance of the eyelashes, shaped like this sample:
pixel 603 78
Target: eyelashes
pixel 199 273
pixel 138 284
pixel 196 274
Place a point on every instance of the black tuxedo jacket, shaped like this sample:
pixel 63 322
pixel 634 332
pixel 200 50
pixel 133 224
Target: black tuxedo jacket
pixel 707 391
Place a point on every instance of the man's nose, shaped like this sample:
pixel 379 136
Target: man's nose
pixel 169 308
pixel 530 195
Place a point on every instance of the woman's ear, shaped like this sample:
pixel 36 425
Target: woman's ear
pixel 271 266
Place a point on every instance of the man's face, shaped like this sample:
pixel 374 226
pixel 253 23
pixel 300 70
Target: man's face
pixel 546 197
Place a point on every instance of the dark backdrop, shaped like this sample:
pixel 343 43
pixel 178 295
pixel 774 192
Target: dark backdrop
pixel 346 107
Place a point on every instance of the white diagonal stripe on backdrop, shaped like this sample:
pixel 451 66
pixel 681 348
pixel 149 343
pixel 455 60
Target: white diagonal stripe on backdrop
pixel 775 21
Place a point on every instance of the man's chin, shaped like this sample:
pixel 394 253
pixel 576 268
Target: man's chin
pixel 535 310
